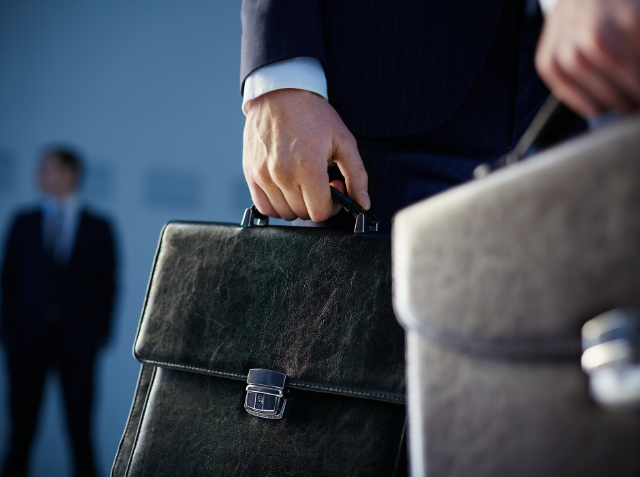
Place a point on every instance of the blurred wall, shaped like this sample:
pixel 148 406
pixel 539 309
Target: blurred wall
pixel 149 92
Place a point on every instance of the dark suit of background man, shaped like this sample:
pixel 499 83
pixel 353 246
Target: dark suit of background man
pixel 57 295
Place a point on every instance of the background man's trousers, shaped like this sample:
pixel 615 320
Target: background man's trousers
pixel 28 365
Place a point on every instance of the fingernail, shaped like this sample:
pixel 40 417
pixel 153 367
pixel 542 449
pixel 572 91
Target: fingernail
pixel 365 201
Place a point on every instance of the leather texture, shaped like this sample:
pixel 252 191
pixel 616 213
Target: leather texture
pixel 196 425
pixel 129 435
pixel 486 418
pixel 493 281
pixel 314 304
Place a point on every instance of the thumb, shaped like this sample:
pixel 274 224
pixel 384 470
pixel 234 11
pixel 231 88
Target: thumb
pixel 348 159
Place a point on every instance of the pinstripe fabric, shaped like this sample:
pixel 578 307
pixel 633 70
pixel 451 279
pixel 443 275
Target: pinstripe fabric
pixel 430 89
pixel 372 60
pixel 488 122
pixel 275 30
pixel 369 47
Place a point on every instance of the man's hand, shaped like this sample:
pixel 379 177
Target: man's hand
pixel 290 136
pixel 589 55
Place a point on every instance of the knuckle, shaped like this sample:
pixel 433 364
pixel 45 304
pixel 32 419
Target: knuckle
pixel 360 174
pixel 248 169
pixel 281 175
pixel 264 207
pixel 598 45
pixel 263 175
pixel 347 139
pixel 634 19
pixel 582 105
pixel 543 64
pixel 631 17
pixel 540 60
pixel 595 45
pixel 300 210
pixel 572 62
pixel 307 167
pixel 319 214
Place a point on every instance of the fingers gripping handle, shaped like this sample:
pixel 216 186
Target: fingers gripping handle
pixel 365 220
pixel 549 126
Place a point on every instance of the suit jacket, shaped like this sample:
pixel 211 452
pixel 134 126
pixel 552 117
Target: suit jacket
pixel 38 294
pixel 389 57
pixel 429 88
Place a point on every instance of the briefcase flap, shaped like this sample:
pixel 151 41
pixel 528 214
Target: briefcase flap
pixel 515 263
pixel 314 304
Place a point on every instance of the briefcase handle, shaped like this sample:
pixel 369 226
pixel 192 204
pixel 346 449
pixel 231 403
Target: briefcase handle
pixel 365 220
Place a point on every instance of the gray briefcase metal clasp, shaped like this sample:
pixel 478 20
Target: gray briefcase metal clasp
pixel 265 394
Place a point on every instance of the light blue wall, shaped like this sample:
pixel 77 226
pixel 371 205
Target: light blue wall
pixel 149 91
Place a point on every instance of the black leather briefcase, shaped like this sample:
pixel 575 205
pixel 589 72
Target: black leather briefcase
pixel 267 351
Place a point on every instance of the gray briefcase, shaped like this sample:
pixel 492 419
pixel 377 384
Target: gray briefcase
pixel 493 282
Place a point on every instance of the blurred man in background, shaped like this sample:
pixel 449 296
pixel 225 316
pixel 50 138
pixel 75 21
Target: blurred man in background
pixel 58 285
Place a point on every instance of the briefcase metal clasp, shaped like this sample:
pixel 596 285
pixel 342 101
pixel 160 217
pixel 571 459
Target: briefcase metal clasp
pixel 265 394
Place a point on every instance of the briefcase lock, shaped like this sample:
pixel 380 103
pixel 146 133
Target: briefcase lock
pixel 265 394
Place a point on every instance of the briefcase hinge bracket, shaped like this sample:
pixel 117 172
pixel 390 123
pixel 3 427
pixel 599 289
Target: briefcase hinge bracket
pixel 252 218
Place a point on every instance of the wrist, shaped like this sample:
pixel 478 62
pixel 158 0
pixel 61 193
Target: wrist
pixel 303 73
pixel 284 95
pixel 547 6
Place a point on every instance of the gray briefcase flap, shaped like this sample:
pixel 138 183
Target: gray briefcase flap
pixel 515 263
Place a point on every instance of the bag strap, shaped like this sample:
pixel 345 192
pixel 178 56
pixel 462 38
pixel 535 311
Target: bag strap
pixel 550 125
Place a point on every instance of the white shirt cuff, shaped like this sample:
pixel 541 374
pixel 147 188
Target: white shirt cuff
pixel 547 5
pixel 302 72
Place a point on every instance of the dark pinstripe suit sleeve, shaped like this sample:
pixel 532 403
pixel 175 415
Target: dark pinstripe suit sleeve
pixel 275 30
